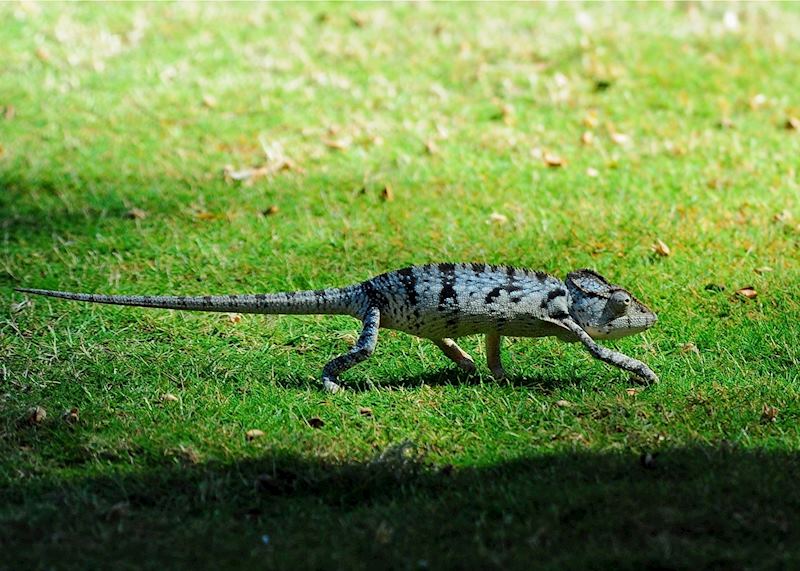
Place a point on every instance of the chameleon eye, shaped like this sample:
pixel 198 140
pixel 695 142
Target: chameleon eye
pixel 620 301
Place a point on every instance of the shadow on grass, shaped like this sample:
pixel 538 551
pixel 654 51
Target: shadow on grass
pixel 704 507
pixel 541 382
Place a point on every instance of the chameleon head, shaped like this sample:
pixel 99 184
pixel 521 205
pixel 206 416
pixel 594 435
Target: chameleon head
pixel 604 310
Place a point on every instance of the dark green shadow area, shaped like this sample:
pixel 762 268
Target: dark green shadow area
pixel 690 508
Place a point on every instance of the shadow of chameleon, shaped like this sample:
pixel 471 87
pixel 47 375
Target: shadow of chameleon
pixel 701 507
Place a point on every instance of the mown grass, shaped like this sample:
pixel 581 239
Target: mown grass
pixel 110 108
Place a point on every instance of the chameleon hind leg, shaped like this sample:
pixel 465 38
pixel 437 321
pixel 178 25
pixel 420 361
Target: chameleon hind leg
pixel 493 356
pixel 455 353
pixel 363 348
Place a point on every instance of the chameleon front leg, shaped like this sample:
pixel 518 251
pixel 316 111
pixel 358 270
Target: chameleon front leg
pixel 456 353
pixel 611 357
pixel 363 348
pixel 493 356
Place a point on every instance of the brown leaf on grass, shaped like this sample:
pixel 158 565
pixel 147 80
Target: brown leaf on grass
pixel 365 412
pixel 497 218
pixel 632 392
pixel 620 139
pixel 118 511
pixel 782 216
pixel 690 348
pixel 563 403
pixel 36 415
pixel 726 123
pixel 757 101
pixel 431 147
pixel 587 138
pixel 204 215
pixel 358 19
pixel 70 416
pixel 42 54
pixel 763 270
pixel 169 397
pixel 340 144
pixel 747 292
pixel 387 193
pixel 648 460
pixel 315 422
pixel 209 101
pixel 270 210
pixel 792 124
pixel 234 318
pixel 253 433
pixel 769 413
pixel 553 161
pixel 136 214
pixel 590 119
pixel 9 112
pixel 660 248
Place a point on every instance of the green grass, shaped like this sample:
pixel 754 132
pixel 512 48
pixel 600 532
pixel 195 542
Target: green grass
pixel 126 106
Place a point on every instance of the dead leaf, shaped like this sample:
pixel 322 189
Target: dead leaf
pixel 315 422
pixel 563 403
pixel 253 433
pixel 234 318
pixel 660 248
pixel 169 397
pixel 633 391
pixel 587 138
pixel 431 147
pixel 726 123
pixel 36 415
pixel 620 139
pixel 270 210
pixel 792 123
pixel 592 172
pixel 209 101
pixel 42 54
pixel 118 511
pixel 763 270
pixel 497 218
pixel 383 534
pixel 747 292
pixel 590 119
pixel 358 20
pixel 365 411
pixel 769 413
pixel 136 214
pixel 387 193
pixel 782 216
pixel 203 215
pixel 690 348
pixel 9 112
pixel 648 460
pixel 758 100
pixel 70 416
pixel 338 144
pixel 553 161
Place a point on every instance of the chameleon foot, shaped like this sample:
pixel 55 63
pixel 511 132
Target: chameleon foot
pixel 498 372
pixel 330 386
pixel 467 365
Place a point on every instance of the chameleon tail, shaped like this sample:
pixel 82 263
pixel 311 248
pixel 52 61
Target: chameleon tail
pixel 325 301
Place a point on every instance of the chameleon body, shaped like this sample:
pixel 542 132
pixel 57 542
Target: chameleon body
pixel 442 302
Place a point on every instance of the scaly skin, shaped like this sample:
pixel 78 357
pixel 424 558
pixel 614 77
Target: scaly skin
pixel 444 301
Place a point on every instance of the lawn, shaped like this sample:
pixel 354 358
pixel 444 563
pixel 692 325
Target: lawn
pixel 209 148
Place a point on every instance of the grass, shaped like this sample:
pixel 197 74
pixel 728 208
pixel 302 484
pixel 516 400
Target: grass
pixel 110 110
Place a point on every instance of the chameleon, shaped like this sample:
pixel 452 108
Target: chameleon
pixel 442 302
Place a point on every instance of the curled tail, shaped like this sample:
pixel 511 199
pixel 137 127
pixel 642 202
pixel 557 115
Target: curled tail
pixel 324 301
